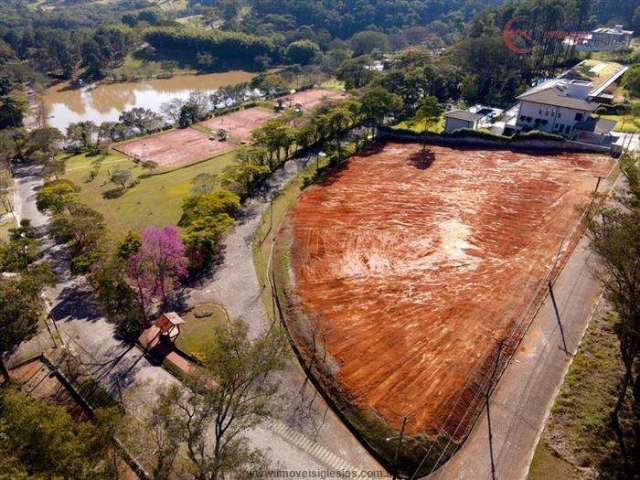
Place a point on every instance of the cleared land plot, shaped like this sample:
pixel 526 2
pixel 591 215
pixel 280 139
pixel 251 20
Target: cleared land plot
pixel 312 98
pixel 410 266
pixel 240 124
pixel 175 147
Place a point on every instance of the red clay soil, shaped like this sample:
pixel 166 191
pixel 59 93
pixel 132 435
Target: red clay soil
pixel 312 98
pixel 240 124
pixel 175 147
pixel 413 266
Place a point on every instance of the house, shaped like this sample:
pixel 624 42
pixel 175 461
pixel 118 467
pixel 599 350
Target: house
pixel 478 116
pixel 566 105
pixel 603 77
pixel 555 106
pixel 457 119
pixel 604 39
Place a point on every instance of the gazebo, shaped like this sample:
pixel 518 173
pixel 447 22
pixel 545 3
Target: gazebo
pixel 168 325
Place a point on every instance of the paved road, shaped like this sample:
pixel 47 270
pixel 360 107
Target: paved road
pixel 525 394
pixel 26 185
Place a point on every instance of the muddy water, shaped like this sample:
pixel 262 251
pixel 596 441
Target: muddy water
pixel 105 102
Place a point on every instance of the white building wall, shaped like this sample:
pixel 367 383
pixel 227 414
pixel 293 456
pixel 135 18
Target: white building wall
pixel 452 124
pixel 548 118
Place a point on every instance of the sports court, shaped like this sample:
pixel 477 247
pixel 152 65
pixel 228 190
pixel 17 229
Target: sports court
pixel 240 124
pixel 310 99
pixel 175 147
pixel 411 266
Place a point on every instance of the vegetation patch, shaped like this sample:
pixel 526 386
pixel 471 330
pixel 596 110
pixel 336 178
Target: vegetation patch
pixel 156 200
pixel 198 332
pixel 578 437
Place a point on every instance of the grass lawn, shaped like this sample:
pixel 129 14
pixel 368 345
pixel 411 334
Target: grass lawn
pixel 5 226
pixel 577 435
pixel 625 124
pixel 156 200
pixel 199 328
pixel 418 127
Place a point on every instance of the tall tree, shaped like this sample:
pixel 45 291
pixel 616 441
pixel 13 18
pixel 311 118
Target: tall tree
pixel 614 230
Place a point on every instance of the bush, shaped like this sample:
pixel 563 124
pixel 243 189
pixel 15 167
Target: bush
pixel 538 135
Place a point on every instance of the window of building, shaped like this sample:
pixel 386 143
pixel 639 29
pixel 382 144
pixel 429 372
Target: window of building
pixel 578 117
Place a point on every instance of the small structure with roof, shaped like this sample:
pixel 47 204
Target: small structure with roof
pixel 169 325
pixel 478 116
pixel 603 39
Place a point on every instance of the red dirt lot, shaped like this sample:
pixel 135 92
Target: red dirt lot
pixel 312 98
pixel 175 147
pixel 240 124
pixel 412 266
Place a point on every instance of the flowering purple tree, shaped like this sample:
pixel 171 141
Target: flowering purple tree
pixel 158 265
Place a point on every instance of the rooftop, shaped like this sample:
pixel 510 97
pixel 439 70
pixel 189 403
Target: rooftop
pixel 554 92
pixel 617 30
pixel 600 74
pixel 464 115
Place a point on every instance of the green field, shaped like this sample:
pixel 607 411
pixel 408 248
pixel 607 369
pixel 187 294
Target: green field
pixel 156 200
pixel 418 127
pixel 198 332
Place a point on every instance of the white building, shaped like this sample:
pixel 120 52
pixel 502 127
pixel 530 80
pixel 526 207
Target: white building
pixel 478 116
pixel 603 39
pixel 555 106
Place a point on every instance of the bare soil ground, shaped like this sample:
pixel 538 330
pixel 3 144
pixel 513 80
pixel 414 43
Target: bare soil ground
pixel 240 124
pixel 410 266
pixel 312 98
pixel 175 147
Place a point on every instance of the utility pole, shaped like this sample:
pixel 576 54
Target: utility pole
pixel 487 395
pixel 598 184
pixel 395 461
pixel 555 308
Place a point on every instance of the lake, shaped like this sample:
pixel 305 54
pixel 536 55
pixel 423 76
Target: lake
pixel 105 102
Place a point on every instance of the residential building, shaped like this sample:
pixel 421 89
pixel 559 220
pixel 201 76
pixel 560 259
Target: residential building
pixel 478 116
pixel 555 106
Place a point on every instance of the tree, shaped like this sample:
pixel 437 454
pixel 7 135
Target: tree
pixel 55 195
pixel 21 306
pixel 356 73
pixel 378 103
pixel 205 218
pixel 631 80
pixel 172 109
pixel 158 265
pixel 243 371
pixel 333 124
pixel 116 297
pixel 365 42
pixel 614 231
pixel 302 52
pixel 429 112
pixel 20 251
pixel 121 178
pixel 45 441
pixel 142 119
pixel 13 108
pixel 188 115
pixel 82 133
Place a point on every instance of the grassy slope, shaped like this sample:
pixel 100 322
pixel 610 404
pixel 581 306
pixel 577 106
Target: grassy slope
pixel 577 440
pixel 199 328
pixel 156 200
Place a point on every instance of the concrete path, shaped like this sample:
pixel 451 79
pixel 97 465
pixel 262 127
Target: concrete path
pixel 525 394
pixel 27 182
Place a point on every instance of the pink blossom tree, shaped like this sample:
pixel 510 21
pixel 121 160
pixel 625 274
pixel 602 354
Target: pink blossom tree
pixel 157 267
